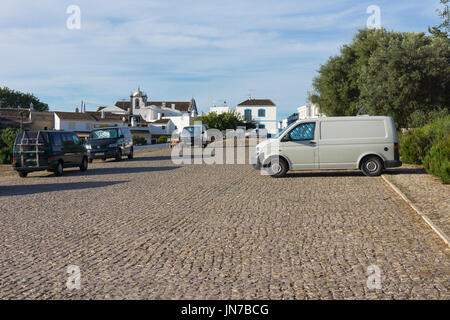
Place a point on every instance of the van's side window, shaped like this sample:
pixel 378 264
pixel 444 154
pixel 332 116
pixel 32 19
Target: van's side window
pixel 302 132
pixel 57 139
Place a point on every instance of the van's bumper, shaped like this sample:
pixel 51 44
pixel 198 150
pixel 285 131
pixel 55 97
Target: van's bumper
pixel 392 163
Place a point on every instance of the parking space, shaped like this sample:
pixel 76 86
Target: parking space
pixel 151 229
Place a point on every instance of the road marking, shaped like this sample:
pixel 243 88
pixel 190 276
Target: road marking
pixel 439 232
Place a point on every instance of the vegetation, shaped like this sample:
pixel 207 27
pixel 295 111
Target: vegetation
pixel 138 140
pixel 7 138
pixel 224 121
pixel 15 99
pixel 429 145
pixel 163 139
pixel 392 73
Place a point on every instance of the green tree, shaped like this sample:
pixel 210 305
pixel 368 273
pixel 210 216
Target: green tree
pixel 223 121
pixel 392 73
pixel 442 30
pixel 15 99
pixel 406 73
pixel 7 138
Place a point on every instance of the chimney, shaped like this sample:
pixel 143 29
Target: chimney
pixel 159 116
pixel 173 106
pixel 102 114
pixel 163 104
pixel 76 110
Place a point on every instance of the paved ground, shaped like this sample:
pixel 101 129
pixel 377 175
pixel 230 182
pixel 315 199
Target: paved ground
pixel 151 229
pixel 426 191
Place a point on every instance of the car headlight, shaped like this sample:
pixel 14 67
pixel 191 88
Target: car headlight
pixel 258 150
pixel 88 147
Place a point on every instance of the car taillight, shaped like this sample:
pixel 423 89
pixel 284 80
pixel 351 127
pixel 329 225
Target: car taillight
pixel 396 147
pixel 50 159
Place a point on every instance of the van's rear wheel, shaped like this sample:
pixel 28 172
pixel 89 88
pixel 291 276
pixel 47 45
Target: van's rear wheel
pixel 277 168
pixel 59 169
pixel 372 166
pixel 23 174
pixel 119 155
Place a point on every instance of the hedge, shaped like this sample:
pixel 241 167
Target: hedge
pixel 429 146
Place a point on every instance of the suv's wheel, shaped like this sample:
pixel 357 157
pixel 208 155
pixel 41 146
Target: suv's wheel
pixel 119 155
pixel 84 164
pixel 372 166
pixel 23 174
pixel 277 168
pixel 131 155
pixel 59 169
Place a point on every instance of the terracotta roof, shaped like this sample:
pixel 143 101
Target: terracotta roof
pixel 161 121
pixel 89 116
pixel 125 105
pixel 257 102
pixel 183 106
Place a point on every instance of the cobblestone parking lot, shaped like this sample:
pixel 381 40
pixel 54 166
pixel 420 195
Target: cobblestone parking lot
pixel 150 229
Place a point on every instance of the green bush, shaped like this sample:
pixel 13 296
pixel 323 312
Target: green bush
pixel 437 160
pixel 429 145
pixel 138 140
pixel 415 144
pixel 7 138
pixel 163 139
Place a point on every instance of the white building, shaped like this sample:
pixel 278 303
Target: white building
pixel 83 122
pixel 263 112
pixel 179 112
pixel 309 111
pixel 220 109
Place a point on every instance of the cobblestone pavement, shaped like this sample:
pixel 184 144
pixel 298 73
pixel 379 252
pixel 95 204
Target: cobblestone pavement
pixel 426 192
pixel 149 229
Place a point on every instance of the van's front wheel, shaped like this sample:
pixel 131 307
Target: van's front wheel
pixel 23 174
pixel 277 168
pixel 372 166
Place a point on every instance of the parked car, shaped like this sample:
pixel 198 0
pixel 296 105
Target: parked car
pixel 110 142
pixel 363 142
pixel 48 150
pixel 194 135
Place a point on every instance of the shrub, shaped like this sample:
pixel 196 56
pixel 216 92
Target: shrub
pixel 437 160
pixel 138 140
pixel 7 138
pixel 415 144
pixel 162 139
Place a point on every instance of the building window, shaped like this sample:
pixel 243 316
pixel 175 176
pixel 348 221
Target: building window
pixel 261 113
pixel 247 115
pixel 164 127
pixel 261 126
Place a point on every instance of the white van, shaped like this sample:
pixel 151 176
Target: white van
pixel 363 142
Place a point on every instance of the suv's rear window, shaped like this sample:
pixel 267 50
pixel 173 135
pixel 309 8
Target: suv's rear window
pixel 30 137
pixel 103 134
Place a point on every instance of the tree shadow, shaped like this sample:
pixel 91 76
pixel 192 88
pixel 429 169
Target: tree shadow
pixel 125 170
pixel 397 171
pixel 19 190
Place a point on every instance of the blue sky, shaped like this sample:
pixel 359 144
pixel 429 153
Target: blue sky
pixel 176 49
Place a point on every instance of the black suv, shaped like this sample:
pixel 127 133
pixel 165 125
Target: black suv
pixel 48 150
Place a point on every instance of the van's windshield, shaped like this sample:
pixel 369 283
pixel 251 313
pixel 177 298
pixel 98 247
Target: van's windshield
pixel 284 130
pixel 103 134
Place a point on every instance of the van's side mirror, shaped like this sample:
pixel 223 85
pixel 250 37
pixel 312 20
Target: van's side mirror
pixel 286 138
